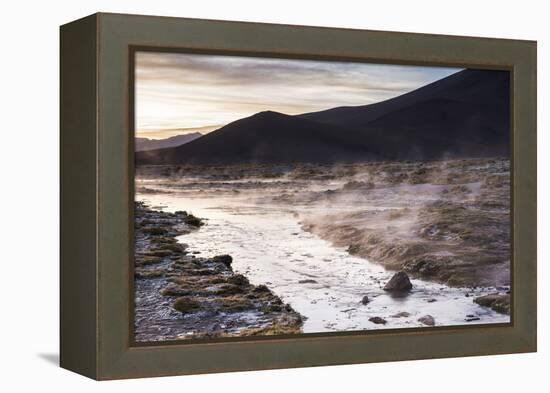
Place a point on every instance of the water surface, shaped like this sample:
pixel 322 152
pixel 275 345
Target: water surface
pixel 322 282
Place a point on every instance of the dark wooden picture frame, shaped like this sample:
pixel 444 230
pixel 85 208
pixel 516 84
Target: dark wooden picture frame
pixel 97 195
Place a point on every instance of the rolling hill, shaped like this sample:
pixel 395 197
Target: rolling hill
pixel 466 114
pixel 173 141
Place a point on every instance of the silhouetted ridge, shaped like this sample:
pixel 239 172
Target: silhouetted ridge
pixel 264 137
pixel 463 115
pixel 177 140
pixel 473 86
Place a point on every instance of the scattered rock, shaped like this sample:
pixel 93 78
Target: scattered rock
pixel 224 289
pixel 227 260
pixel 192 220
pixel 425 266
pixel 378 320
pixel 470 318
pixel 431 300
pixel 427 320
pixel 238 279
pixel 154 230
pixel 399 282
pixel 499 303
pixel 272 330
pixel 308 281
pixel 354 249
pixel 147 260
pixel 160 253
pixel 261 289
pixel 173 247
pixel 174 290
pixel 205 290
pixel 149 273
pixel 186 304
pixel 402 314
pixel 234 304
pixel 365 300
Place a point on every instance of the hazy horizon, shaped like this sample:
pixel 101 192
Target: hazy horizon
pixel 183 93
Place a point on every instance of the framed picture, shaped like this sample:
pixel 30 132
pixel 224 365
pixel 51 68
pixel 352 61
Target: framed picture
pixel 241 196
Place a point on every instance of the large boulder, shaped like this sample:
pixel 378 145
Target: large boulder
pixel 427 320
pixel 378 320
pixel 186 304
pixel 225 259
pixel 498 302
pixel 399 283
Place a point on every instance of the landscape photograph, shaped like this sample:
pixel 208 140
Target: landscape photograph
pixel 278 197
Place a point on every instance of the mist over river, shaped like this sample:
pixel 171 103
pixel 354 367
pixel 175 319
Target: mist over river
pixel 262 222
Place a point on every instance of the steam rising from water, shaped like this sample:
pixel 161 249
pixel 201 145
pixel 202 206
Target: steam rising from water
pixel 291 230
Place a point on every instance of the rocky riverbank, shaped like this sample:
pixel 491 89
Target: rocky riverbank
pixel 181 295
pixel 445 221
pixel 456 232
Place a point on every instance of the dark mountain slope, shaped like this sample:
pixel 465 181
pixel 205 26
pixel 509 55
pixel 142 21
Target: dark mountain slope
pixel 266 137
pixel 476 87
pixel 152 144
pixel 464 115
pixel 443 118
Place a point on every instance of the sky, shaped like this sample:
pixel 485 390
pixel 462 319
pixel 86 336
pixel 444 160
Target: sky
pixel 181 93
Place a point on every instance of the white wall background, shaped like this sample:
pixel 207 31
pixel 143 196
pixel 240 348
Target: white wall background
pixel 29 174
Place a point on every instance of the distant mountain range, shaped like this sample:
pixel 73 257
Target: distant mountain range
pixel 466 114
pixel 152 144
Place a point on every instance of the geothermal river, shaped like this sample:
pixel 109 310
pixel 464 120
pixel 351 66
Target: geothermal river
pixel 321 282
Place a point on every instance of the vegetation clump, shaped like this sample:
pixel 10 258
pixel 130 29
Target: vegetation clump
pixel 226 260
pixel 498 302
pixel 193 221
pixel 154 230
pixel 189 218
pixel 215 301
pixel 186 304
pixel 172 247
pixel 275 329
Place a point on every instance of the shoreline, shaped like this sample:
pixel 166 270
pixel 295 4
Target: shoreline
pixel 461 238
pixel 443 223
pixel 448 224
pixel 182 296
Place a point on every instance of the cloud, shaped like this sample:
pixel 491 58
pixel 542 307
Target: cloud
pixel 175 90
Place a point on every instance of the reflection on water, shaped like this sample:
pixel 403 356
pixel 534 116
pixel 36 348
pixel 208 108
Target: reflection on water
pixel 323 283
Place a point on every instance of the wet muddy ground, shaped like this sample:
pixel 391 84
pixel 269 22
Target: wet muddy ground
pixel 179 295
pixel 321 238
